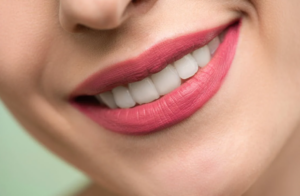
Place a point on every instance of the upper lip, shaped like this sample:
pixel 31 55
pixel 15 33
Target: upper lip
pixel 149 62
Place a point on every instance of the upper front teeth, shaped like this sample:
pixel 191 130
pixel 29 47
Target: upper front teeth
pixel 161 83
pixel 186 67
pixel 166 80
pixel 202 56
pixel 123 97
pixel 143 91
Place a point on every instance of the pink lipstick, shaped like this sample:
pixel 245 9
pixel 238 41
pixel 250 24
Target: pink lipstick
pixel 173 107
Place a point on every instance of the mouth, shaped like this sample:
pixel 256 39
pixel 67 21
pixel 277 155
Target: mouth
pixel 161 87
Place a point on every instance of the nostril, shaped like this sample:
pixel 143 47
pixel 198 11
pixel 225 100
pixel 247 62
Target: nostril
pixel 80 28
pixel 95 14
pixel 140 2
pixel 80 15
pixel 136 1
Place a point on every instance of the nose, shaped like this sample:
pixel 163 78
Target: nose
pixel 94 14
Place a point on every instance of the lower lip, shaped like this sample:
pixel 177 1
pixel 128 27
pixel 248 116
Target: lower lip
pixel 175 106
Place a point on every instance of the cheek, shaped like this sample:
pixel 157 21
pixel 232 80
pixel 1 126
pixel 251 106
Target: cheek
pixel 25 37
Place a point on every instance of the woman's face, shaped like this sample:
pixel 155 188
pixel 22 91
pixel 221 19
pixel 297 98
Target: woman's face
pixel 50 49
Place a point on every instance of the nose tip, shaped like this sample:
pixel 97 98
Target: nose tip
pixel 94 14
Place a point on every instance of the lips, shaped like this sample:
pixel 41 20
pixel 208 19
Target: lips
pixel 173 107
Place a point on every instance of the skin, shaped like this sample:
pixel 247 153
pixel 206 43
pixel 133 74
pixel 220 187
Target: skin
pixel 244 141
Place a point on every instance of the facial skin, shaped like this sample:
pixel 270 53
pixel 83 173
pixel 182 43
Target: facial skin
pixel 244 141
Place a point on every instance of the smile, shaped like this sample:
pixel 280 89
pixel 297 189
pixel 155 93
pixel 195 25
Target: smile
pixel 162 86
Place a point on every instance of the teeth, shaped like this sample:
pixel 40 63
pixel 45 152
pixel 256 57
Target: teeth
pixel 166 80
pixel 122 97
pixel 202 56
pixel 143 91
pixel 161 83
pixel 108 99
pixel 213 45
pixel 186 66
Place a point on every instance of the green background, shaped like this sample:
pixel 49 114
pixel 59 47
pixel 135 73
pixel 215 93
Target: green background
pixel 28 169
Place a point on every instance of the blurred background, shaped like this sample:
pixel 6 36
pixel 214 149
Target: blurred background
pixel 28 169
